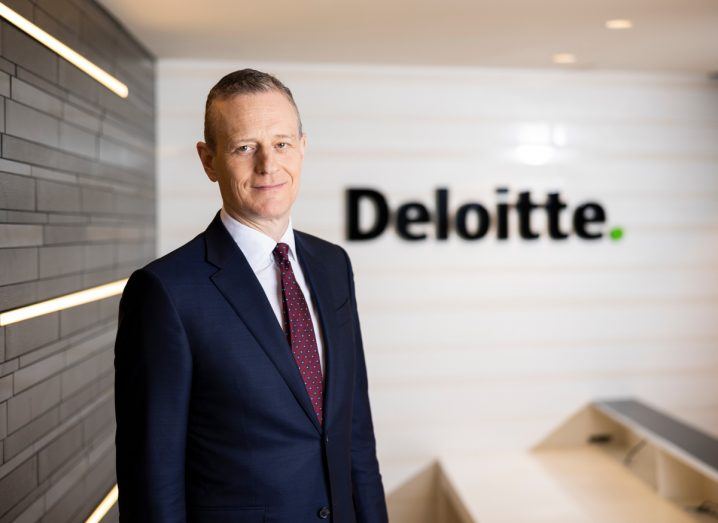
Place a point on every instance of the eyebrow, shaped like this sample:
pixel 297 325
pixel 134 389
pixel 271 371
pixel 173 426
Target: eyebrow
pixel 254 139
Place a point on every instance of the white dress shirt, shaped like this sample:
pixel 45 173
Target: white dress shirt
pixel 257 247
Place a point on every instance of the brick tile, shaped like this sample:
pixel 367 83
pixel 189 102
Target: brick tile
pixel 58 286
pixel 5 84
pixel 16 192
pixel 25 122
pixel 30 376
pixel 77 141
pixel 18 483
pixel 52 196
pixel 6 387
pixel 80 117
pixel 64 11
pixel 99 420
pixel 97 200
pixel 17 235
pixel 18 265
pixel 18 294
pixel 19 440
pixel 30 95
pixel 47 86
pixel 25 217
pixel 21 150
pixel 64 259
pixel 78 318
pixel 23 407
pixel 3 420
pixel 58 234
pixel 79 376
pixel 59 451
pixel 27 335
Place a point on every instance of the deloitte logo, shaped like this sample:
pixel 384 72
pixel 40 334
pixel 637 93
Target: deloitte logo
pixel 410 219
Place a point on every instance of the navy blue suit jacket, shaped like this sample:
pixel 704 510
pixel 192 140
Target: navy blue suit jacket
pixel 214 424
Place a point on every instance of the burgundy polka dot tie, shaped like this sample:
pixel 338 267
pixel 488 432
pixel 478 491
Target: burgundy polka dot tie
pixel 299 329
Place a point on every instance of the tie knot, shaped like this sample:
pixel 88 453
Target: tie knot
pixel 280 252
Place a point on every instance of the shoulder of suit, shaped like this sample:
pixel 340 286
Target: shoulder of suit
pixel 330 253
pixel 182 263
pixel 323 247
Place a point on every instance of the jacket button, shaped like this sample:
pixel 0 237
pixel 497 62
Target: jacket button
pixel 326 439
pixel 324 512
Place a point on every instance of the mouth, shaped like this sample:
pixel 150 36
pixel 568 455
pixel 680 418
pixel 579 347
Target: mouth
pixel 268 187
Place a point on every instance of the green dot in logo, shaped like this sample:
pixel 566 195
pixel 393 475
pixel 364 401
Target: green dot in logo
pixel 616 233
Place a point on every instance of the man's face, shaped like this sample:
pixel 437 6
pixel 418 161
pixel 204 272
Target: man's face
pixel 258 154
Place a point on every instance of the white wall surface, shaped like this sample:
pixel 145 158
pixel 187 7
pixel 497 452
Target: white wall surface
pixel 481 345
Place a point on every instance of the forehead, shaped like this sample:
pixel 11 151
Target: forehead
pixel 269 111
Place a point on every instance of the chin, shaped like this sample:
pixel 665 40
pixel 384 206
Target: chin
pixel 272 212
pixel 275 207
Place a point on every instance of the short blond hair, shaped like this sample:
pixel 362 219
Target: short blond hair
pixel 243 81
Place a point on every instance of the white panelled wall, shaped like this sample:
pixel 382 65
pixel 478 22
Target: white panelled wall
pixel 476 345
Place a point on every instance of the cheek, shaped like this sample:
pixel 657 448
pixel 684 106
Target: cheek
pixel 294 167
pixel 239 174
pixel 237 188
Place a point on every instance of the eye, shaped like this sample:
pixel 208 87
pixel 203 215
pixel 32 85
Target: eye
pixel 282 145
pixel 243 148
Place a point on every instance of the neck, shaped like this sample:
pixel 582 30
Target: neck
pixel 272 227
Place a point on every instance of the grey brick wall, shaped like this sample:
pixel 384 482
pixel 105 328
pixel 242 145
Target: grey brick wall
pixel 77 209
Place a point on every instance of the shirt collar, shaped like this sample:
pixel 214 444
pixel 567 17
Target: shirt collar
pixel 257 246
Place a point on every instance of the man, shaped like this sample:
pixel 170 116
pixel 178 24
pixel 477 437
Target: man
pixel 240 379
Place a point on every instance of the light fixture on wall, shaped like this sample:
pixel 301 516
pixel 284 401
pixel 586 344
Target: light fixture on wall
pixel 104 507
pixel 534 154
pixel 539 143
pixel 76 59
pixel 63 302
pixel 619 23
pixel 564 58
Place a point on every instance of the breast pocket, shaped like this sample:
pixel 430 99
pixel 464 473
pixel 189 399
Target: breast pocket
pixel 226 514
pixel 343 313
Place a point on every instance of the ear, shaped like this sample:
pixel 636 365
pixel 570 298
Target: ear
pixel 206 156
pixel 302 143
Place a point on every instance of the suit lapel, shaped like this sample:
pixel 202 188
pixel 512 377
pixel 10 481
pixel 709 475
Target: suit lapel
pixel 239 285
pixel 318 280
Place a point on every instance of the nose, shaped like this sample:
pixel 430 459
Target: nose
pixel 265 162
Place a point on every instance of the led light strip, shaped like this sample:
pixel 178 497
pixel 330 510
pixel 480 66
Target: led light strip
pixel 76 59
pixel 104 507
pixel 63 302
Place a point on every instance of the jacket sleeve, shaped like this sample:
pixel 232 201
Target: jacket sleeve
pixel 367 487
pixel 153 376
